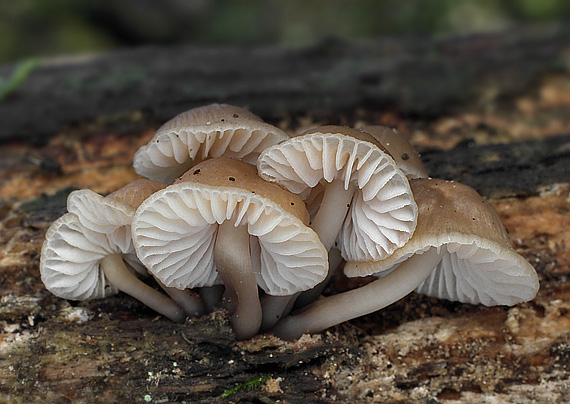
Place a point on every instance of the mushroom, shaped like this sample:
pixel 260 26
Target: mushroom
pixel 459 251
pixel 222 218
pixel 364 200
pixel 88 251
pixel 400 149
pixel 201 133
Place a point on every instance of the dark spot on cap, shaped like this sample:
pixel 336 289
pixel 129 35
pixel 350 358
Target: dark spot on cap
pixel 236 116
pixel 292 204
pixel 232 179
pixel 196 172
pixel 405 156
pixel 222 120
pixel 473 218
pixel 348 205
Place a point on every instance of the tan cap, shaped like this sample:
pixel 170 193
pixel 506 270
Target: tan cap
pixel 479 266
pixel 174 231
pixel 198 134
pixel 407 158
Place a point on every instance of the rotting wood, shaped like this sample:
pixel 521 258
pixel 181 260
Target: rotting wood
pixel 116 350
pixel 414 75
pixel 417 350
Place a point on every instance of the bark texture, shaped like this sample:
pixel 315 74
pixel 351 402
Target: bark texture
pixel 414 75
pixel 514 150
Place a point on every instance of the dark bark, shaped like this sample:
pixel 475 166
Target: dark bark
pixel 414 75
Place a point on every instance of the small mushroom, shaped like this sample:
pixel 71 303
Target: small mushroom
pixel 400 149
pixel 88 251
pixel 363 199
pixel 459 251
pixel 222 218
pixel 198 134
pixel 366 202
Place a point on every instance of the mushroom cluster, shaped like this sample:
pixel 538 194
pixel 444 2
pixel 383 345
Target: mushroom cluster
pixel 233 213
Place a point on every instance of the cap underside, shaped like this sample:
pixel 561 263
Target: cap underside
pixel 175 229
pixel 70 257
pixel 382 215
pixel 171 153
pixel 473 270
pixel 98 213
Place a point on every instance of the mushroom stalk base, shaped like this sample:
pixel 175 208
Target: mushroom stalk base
pixel 119 276
pixel 211 296
pixel 329 311
pixel 233 262
pixel 274 308
pixel 188 300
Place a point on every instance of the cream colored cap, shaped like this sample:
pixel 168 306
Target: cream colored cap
pixel 198 134
pixel 175 229
pixel 480 265
pixel 407 158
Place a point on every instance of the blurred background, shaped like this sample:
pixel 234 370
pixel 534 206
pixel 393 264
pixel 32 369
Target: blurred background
pixel 32 28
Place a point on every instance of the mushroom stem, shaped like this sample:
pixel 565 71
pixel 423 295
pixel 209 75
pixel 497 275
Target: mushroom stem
pixel 274 308
pixel 329 311
pixel 211 296
pixel 188 300
pixel 233 262
pixel 119 276
pixel 332 212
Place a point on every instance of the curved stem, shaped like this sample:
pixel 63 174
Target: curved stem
pixel 188 300
pixel 119 276
pixel 332 212
pixel 325 313
pixel 211 296
pixel 309 296
pixel 233 262
pixel 274 308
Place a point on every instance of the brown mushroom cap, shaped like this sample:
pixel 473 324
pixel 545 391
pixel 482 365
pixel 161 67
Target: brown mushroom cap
pixel 460 251
pixel 174 230
pixel 134 193
pixel 480 265
pixel 407 158
pixel 235 174
pixel 198 134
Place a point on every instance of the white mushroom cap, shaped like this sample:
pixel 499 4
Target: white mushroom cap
pixel 175 229
pixel 382 214
pixel 94 228
pixel 400 149
pixel 70 259
pixel 112 214
pixel 201 133
pixel 479 264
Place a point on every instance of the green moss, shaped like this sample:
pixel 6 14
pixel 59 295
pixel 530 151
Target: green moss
pixel 250 384
pixel 21 72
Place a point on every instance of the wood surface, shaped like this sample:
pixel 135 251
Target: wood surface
pixel 508 136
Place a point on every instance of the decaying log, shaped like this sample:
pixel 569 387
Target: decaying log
pixel 415 75
pixel 115 350
pixel 419 349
